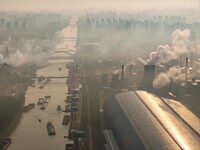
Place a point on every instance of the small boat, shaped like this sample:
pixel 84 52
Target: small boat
pixel 40 101
pixel 32 85
pixel 59 108
pixel 48 96
pixel 50 128
pixel 28 107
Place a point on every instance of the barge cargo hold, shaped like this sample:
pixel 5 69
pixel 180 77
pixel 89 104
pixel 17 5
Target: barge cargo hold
pixel 44 106
pixel 66 120
pixel 50 129
pixel 28 107
pixel 40 101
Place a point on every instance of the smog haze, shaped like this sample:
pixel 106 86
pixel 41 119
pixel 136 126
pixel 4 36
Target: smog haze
pixel 99 74
pixel 83 4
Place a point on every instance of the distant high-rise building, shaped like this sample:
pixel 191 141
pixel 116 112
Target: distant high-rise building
pixel 2 21
pixel 16 25
pixel 23 25
pixel 6 55
pixel 8 26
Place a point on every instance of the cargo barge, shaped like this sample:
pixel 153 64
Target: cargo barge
pixel 45 102
pixel 50 128
pixel 59 108
pixel 40 101
pixel 66 120
pixel 28 107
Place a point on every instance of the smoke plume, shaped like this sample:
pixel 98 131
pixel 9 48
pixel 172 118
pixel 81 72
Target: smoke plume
pixel 165 53
pixel 165 78
pixel 18 59
pixel 118 71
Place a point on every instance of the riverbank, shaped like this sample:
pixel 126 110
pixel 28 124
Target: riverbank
pixel 10 113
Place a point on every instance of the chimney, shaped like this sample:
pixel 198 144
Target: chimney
pixel 115 81
pixel 122 78
pixel 186 71
pixel 149 76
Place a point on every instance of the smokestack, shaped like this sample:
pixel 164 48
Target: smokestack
pixel 115 81
pixel 149 76
pixel 122 76
pixel 122 72
pixel 186 62
pixel 6 55
pixel 186 71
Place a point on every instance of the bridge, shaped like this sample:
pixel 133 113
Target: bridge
pixel 53 77
pixel 66 52
pixel 50 77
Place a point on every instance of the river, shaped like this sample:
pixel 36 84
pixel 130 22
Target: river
pixel 30 133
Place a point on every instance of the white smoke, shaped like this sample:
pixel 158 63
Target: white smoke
pixel 165 78
pixel 16 59
pixel 179 46
pixel 118 71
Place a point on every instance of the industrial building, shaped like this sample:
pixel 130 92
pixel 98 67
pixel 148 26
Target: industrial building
pixel 140 120
pixel 110 140
pixel 149 76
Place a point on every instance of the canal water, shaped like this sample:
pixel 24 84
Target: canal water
pixel 31 131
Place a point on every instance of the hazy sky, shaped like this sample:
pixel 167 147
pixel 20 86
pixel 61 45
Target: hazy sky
pixel 76 4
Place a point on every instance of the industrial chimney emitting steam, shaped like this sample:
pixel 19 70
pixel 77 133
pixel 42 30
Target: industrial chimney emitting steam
pixel 149 76
pixel 122 77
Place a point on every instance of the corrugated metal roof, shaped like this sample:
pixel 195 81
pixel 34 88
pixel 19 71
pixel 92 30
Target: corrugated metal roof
pixel 111 142
pixel 185 137
pixel 184 113
pixel 147 120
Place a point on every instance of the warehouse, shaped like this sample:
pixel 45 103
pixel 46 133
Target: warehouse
pixel 141 120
